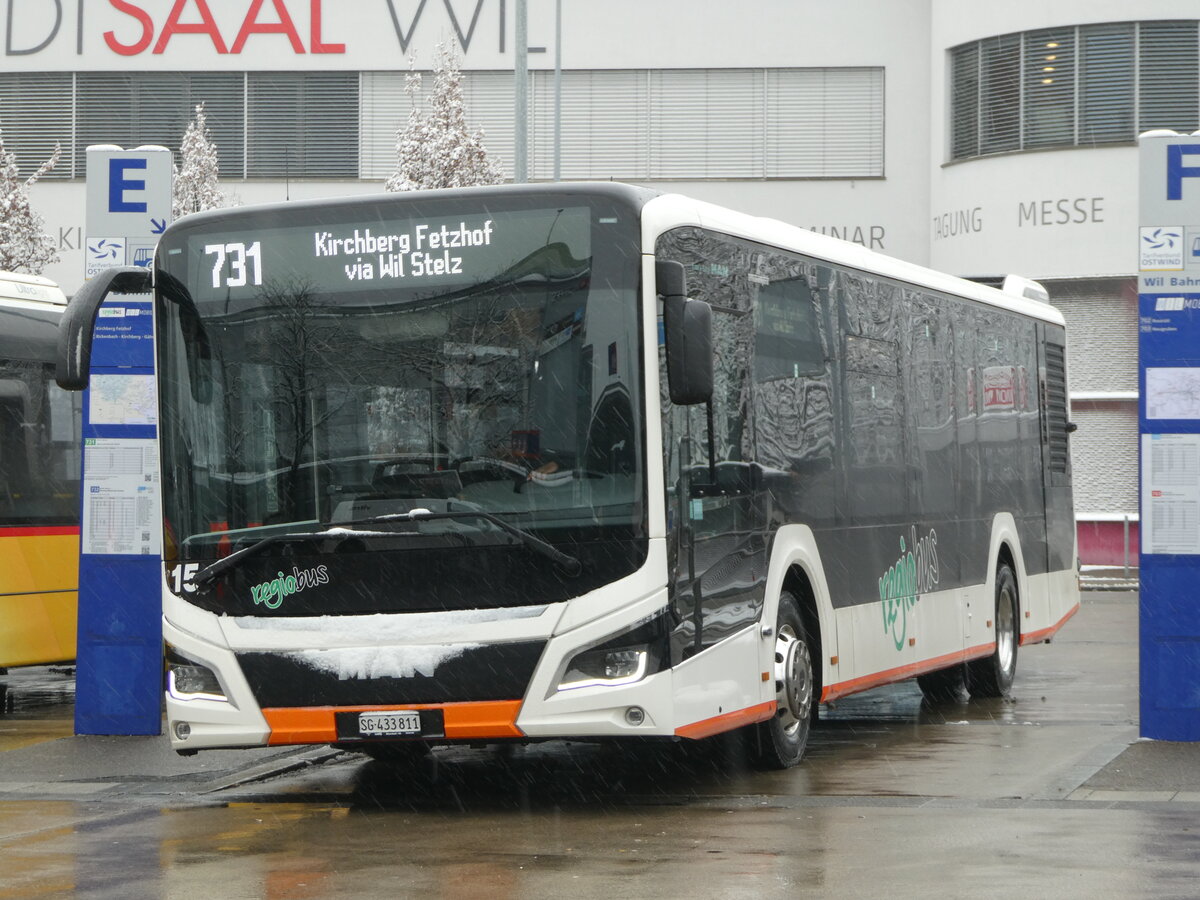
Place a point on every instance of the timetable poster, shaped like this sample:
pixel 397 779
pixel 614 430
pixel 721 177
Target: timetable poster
pixel 1170 522
pixel 120 481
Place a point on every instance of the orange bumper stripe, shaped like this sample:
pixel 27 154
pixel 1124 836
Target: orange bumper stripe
pixel 900 673
pixel 728 721
pixel 1037 637
pixel 464 721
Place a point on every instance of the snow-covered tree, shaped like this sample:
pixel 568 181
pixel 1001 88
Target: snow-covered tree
pixel 24 245
pixel 196 188
pixel 435 148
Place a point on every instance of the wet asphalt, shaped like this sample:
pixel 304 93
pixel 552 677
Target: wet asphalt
pixel 1048 793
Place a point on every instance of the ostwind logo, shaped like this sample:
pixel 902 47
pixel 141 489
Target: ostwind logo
pixel 1160 248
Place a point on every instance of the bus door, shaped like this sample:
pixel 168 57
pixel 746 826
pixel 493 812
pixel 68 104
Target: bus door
pixel 720 504
pixel 717 504
pixel 1056 451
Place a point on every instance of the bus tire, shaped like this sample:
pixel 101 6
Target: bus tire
pixel 782 738
pixel 944 685
pixel 993 675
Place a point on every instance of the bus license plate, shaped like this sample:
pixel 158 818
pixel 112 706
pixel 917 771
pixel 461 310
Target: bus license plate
pixel 388 723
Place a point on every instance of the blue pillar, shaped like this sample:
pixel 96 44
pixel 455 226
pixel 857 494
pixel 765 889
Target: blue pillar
pixel 1169 434
pixel 118 676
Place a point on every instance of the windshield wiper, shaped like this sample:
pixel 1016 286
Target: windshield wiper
pixel 570 564
pixel 212 572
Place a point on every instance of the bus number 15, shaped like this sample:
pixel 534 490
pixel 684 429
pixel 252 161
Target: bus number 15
pixel 236 255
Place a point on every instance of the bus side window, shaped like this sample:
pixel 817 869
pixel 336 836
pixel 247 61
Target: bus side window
pixel 931 393
pixel 794 407
pixel 876 457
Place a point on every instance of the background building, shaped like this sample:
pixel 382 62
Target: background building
pixel 976 138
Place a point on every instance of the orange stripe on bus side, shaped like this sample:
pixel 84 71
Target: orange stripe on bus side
pixel 728 721
pixel 866 682
pixel 1036 637
pixel 463 721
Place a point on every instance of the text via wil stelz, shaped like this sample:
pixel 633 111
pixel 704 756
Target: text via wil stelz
pixel 420 252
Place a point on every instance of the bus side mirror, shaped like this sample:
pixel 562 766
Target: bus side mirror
pixel 74 362
pixel 688 331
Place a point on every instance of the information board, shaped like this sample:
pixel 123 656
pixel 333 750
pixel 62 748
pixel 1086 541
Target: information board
pixel 119 654
pixel 1169 423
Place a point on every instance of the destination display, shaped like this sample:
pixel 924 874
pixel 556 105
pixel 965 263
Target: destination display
pixel 445 252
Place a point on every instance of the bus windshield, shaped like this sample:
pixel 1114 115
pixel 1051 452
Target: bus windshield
pixel 329 374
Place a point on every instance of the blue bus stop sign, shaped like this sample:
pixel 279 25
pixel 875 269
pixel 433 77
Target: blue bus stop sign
pixel 118 674
pixel 1169 429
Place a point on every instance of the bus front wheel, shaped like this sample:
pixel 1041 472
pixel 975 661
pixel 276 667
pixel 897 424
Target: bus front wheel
pixel 993 675
pixel 782 738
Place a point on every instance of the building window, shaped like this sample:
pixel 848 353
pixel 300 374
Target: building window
pixel 663 124
pixel 302 125
pixel 132 109
pixel 638 124
pixel 1073 86
pixel 36 111
pixel 265 124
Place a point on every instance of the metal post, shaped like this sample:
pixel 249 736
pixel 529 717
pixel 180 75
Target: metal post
pixel 1126 548
pixel 521 91
pixel 558 90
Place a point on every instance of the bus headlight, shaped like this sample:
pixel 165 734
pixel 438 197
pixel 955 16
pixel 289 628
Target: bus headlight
pixel 623 658
pixel 609 667
pixel 188 679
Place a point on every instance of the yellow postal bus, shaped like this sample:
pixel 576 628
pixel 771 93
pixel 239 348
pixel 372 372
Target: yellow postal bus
pixel 39 479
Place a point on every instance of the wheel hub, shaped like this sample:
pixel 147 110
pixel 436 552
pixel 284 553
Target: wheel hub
pixel 793 679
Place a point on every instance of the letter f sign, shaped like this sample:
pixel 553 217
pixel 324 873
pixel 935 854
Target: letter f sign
pixel 1177 171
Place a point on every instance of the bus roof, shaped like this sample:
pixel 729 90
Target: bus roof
pixel 670 210
pixel 19 286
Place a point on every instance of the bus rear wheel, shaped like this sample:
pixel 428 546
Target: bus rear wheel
pixel 993 675
pixel 944 685
pixel 782 738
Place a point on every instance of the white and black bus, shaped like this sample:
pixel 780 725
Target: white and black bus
pixel 585 461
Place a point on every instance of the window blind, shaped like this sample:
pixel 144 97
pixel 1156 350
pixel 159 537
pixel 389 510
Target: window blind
pixel 605 125
pixel 824 123
pixel 302 125
pixel 964 101
pixel 999 94
pixel 135 108
pixel 36 113
pixel 1169 76
pixel 1049 76
pixel 1079 85
pixel 488 97
pixel 1106 83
